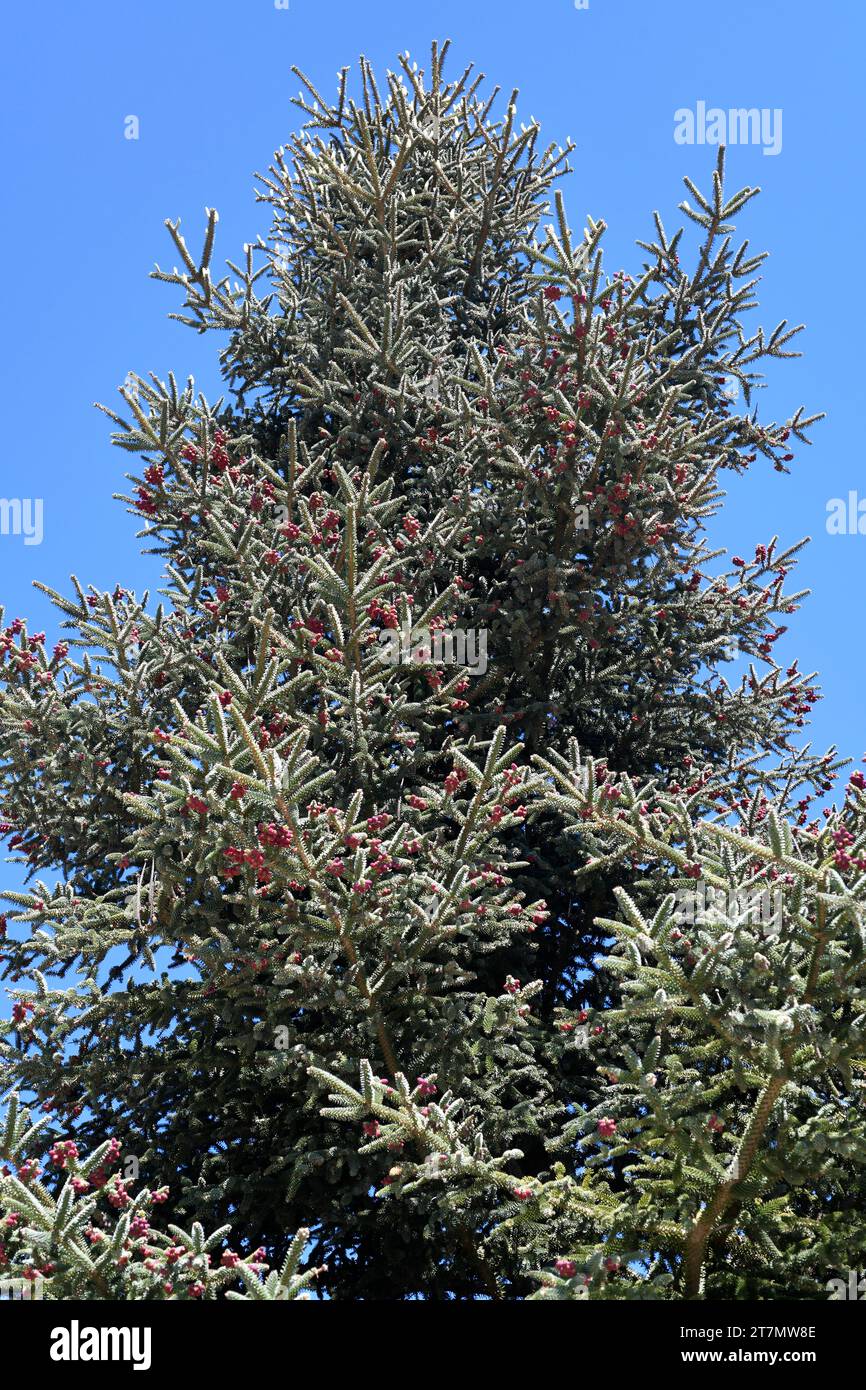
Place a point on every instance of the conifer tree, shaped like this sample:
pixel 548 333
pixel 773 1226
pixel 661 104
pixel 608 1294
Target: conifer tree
pixel 294 840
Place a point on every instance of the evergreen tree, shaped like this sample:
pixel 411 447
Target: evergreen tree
pixel 294 840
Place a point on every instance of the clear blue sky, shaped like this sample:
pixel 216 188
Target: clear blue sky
pixel 210 82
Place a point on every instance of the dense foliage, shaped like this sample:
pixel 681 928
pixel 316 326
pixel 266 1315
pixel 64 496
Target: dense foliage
pixel 417 765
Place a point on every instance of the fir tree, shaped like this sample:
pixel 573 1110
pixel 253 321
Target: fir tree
pixel 293 842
